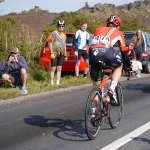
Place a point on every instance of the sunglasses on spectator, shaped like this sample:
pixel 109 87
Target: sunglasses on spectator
pixel 61 26
pixel 12 53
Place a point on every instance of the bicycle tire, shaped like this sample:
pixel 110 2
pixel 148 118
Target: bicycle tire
pixel 92 131
pixel 115 110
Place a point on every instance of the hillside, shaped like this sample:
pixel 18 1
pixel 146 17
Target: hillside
pixel 37 18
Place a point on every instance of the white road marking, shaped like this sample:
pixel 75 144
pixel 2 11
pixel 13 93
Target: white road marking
pixel 125 139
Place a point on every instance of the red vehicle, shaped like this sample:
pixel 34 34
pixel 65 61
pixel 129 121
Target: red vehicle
pixel 69 64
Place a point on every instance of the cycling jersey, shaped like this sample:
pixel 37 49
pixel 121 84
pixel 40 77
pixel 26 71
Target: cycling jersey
pixel 81 39
pixel 101 48
pixel 106 37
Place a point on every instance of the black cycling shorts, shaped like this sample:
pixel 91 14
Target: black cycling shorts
pixel 82 53
pixel 16 80
pixel 107 55
pixel 57 61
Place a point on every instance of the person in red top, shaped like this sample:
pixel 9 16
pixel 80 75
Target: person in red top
pixel 131 52
pixel 136 64
pixel 101 48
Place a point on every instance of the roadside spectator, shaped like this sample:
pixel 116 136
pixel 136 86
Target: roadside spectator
pixel 15 72
pixel 139 46
pixel 81 41
pixel 136 65
pixel 57 44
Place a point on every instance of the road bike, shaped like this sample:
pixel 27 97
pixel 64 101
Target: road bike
pixel 104 110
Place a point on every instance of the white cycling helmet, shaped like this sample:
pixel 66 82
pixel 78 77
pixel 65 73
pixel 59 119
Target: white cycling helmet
pixel 61 22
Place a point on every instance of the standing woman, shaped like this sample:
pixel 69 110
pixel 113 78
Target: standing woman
pixel 139 44
pixel 57 44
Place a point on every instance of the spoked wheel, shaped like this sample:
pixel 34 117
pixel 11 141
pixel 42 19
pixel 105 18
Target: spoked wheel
pixel 93 128
pixel 115 110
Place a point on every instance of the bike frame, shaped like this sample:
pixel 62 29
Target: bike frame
pixel 102 82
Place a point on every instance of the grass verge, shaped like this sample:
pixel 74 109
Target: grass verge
pixel 38 86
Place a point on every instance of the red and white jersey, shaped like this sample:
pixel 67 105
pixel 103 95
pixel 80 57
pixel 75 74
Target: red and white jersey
pixel 107 37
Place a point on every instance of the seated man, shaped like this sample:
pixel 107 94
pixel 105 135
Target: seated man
pixel 15 72
pixel 136 65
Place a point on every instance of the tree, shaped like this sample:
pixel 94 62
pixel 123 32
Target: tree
pixel 1 1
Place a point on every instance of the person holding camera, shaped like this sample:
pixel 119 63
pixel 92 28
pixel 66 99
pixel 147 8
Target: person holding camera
pixel 15 72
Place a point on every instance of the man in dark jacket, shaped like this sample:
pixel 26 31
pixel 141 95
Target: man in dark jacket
pixel 15 73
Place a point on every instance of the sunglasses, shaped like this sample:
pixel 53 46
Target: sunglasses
pixel 12 53
pixel 61 26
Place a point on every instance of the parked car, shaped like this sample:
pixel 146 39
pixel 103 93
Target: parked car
pixel 69 65
pixel 146 57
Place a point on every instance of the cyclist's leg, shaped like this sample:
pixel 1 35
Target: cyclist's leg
pixel 115 77
pixel 95 74
pixel 77 63
pixel 116 62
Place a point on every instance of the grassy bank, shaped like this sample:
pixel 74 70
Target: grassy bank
pixel 37 86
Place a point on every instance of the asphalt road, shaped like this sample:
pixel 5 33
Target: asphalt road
pixel 55 120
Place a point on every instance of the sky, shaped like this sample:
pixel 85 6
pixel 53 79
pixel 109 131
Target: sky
pixel 57 6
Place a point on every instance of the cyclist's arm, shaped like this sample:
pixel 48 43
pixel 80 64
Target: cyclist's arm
pixel 123 50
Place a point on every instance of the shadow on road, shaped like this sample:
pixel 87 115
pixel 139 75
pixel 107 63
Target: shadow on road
pixel 71 130
pixel 145 88
pixel 142 140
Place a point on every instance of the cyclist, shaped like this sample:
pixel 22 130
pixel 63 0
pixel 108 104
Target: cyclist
pixel 80 43
pixel 101 48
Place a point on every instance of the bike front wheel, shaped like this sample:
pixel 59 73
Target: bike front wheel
pixel 94 98
pixel 115 110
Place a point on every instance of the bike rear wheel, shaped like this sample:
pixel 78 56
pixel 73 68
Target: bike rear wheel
pixel 115 110
pixel 93 130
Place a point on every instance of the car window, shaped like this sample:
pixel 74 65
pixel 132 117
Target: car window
pixel 148 40
pixel 128 38
pixel 69 41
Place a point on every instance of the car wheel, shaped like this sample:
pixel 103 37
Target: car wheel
pixel 147 68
